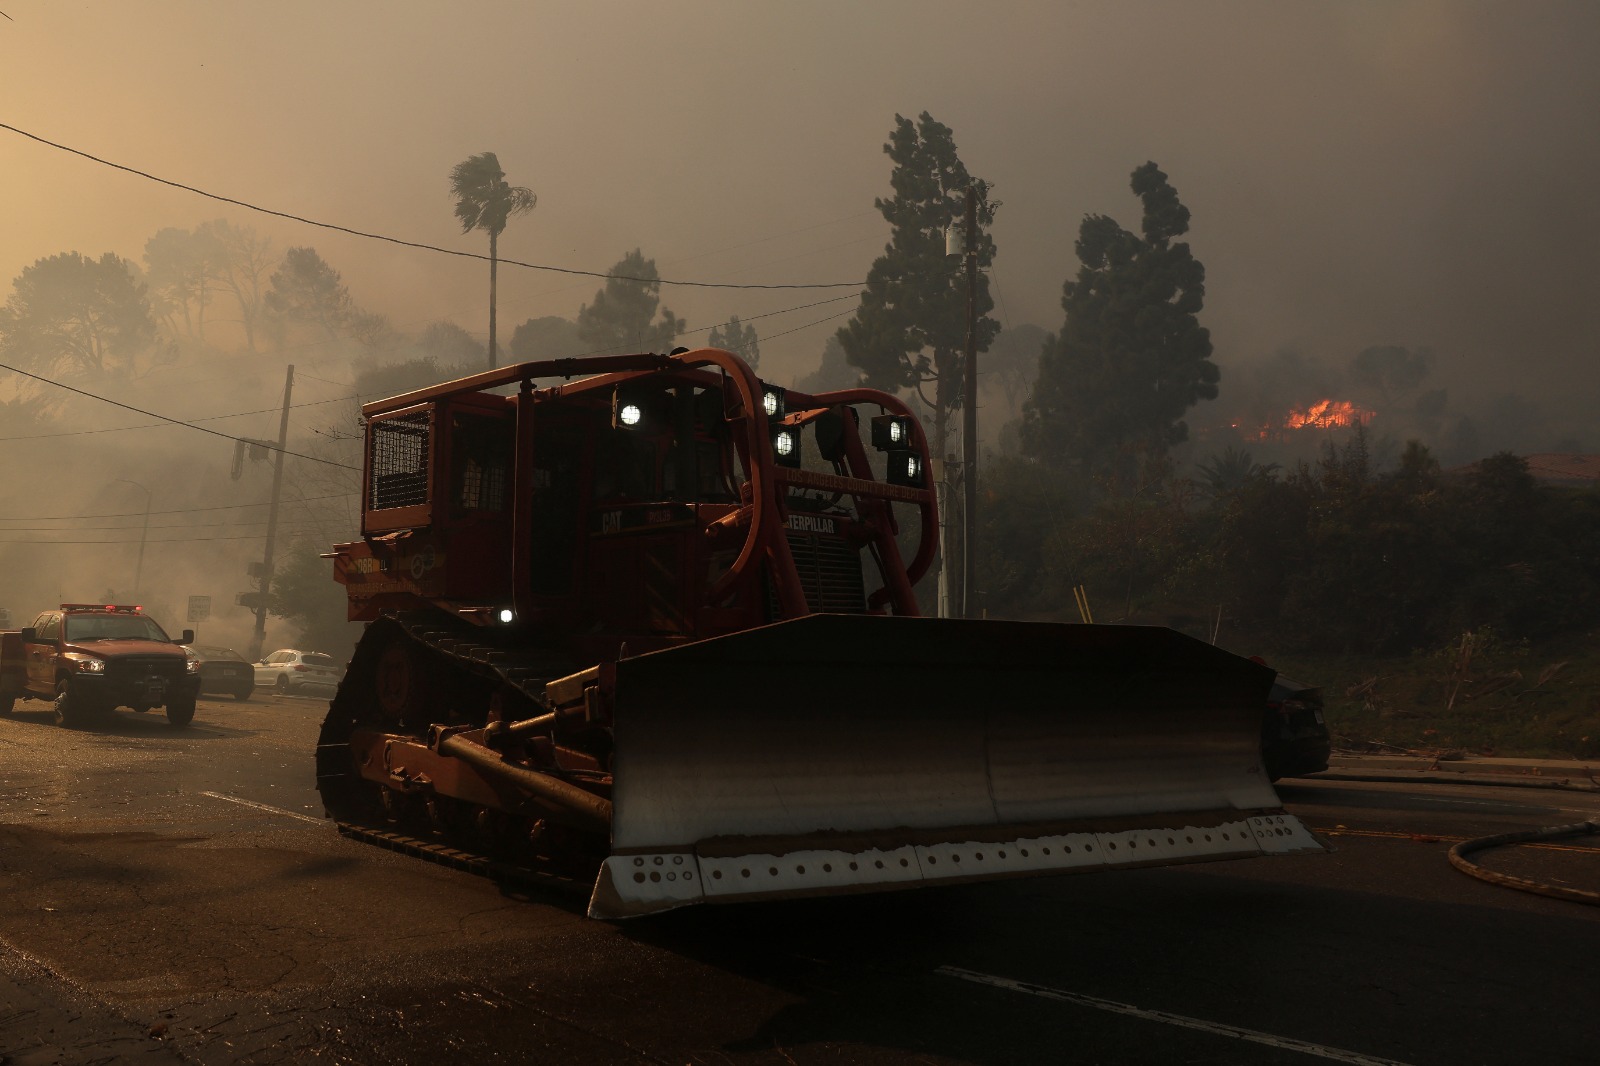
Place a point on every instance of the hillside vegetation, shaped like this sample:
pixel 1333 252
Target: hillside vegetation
pixel 1435 611
pixel 1480 695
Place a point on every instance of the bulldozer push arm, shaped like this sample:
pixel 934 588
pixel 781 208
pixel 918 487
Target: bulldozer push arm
pixel 653 631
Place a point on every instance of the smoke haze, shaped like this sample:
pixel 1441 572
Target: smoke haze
pixel 1411 173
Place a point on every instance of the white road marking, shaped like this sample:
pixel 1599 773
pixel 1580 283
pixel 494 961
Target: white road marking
pixel 264 807
pixel 1216 1029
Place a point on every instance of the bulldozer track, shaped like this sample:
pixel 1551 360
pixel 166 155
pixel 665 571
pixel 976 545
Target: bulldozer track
pixel 455 642
pixel 525 670
pixel 507 875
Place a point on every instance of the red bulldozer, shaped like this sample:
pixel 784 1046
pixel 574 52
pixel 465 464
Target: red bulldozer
pixel 649 622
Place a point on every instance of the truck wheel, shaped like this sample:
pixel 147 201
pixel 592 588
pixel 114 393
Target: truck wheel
pixel 71 710
pixel 180 711
pixel 7 700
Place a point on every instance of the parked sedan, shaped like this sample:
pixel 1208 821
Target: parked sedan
pixel 289 670
pixel 223 670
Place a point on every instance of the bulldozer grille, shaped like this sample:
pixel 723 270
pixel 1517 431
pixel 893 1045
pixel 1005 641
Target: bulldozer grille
pixel 399 462
pixel 830 573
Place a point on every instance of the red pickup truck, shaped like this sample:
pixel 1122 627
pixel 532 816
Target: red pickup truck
pixel 89 659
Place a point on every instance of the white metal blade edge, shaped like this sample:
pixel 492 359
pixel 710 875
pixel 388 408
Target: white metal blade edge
pixel 637 884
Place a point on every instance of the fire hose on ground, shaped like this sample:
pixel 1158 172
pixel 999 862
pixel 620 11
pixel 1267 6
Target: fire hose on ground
pixel 1459 853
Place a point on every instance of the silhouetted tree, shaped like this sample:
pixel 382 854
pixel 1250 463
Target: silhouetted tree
pixel 178 267
pixel 240 260
pixel 1012 361
pixel 1132 357
pixel 447 342
pixel 315 606
pixel 306 289
pixel 485 201
pixel 372 330
pixel 1025 505
pixel 1229 471
pixel 833 374
pixel 1419 470
pixel 622 317
pixel 738 338
pixel 911 328
pixel 550 337
pixel 67 311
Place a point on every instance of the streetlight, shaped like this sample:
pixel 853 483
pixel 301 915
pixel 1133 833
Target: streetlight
pixel 138 570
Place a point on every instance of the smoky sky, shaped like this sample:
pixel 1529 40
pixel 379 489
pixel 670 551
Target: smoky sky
pixel 1412 173
pixel 1418 174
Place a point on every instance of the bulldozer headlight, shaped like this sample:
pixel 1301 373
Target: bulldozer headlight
pixel 774 401
pixel 786 445
pixel 639 409
pixel 890 432
pixel 905 468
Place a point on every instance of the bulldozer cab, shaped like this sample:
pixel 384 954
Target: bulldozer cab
pixel 676 499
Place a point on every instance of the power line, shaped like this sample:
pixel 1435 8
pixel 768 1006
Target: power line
pixel 161 425
pixel 134 526
pixel 417 244
pixel 808 325
pixel 325 381
pixel 340 399
pixel 169 540
pixel 752 318
pixel 784 311
pixel 175 421
pixel 329 462
pixel 181 510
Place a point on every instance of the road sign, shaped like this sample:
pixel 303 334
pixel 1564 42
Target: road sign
pixel 199 608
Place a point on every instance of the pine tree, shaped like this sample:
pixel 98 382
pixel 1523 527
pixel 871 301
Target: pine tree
pixel 737 337
pixel 911 328
pixel 1132 357
pixel 623 317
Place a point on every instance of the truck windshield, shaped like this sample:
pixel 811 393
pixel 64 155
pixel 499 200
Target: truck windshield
pixel 112 627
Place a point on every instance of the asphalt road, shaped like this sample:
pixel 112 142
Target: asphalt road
pixel 174 896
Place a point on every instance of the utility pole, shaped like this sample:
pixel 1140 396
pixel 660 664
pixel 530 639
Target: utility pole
pixel 144 534
pixel 260 635
pixel 942 466
pixel 969 423
pixel 494 271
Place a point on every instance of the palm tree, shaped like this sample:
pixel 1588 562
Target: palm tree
pixel 484 201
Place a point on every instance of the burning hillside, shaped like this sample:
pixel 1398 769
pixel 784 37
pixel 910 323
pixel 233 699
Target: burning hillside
pixel 1329 414
pixel 1323 414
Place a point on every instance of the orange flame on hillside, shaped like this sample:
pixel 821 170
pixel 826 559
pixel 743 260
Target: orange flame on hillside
pixel 1328 414
pixel 1324 414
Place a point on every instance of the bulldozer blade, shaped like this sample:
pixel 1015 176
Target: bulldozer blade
pixel 850 753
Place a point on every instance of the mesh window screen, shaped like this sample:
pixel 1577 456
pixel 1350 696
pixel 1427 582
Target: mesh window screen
pixel 399 462
pixel 482 449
